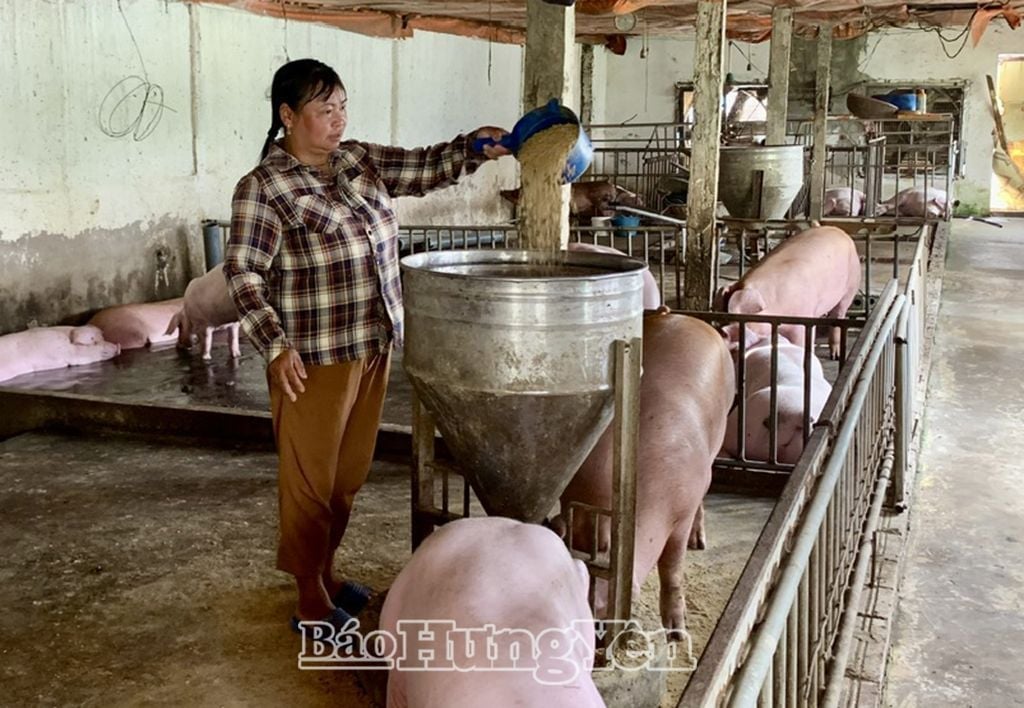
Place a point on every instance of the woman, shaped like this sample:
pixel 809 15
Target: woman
pixel 312 266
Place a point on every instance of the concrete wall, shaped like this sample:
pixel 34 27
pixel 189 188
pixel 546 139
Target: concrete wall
pixel 85 215
pixel 643 89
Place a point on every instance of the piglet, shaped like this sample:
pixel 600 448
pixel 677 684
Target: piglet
pixel 789 401
pixel 136 325
pixel 843 201
pixel 916 201
pixel 813 274
pixel 501 574
pixel 652 295
pixel 45 348
pixel 208 307
pixel 685 393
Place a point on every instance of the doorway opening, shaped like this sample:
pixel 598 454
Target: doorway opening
pixel 1008 157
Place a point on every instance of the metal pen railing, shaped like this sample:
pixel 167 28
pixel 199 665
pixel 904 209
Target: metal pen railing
pixel 786 632
pixel 789 655
pixel 662 247
pixel 784 611
pixel 910 344
pixel 750 241
pixel 857 166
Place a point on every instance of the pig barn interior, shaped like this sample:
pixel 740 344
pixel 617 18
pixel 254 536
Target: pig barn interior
pixel 873 566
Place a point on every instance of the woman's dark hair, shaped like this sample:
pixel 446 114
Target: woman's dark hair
pixel 297 83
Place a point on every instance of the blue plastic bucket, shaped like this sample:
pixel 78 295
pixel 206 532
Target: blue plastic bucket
pixel 539 119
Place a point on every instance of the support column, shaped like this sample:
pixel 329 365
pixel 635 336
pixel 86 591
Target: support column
pixel 821 93
pixel 549 67
pixel 587 84
pixel 701 238
pixel 778 74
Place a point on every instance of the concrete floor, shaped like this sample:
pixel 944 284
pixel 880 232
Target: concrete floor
pixel 960 623
pixel 141 571
pixel 146 565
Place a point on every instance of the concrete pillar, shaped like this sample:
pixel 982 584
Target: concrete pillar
pixel 550 53
pixel 821 93
pixel 587 84
pixel 778 74
pixel 701 241
pixel 549 67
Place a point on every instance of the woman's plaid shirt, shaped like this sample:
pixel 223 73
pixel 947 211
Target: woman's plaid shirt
pixel 314 265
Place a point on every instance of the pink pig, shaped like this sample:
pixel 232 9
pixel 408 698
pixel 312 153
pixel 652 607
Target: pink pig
pixel 813 274
pixel 843 201
pixel 208 307
pixel 916 201
pixel 685 394
pixel 136 325
pixel 789 402
pixel 516 579
pixel 46 348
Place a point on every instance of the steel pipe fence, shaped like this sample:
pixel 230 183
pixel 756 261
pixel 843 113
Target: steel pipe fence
pixel 858 167
pixel 882 245
pixel 786 631
pixel 649 159
pixel 909 374
pixel 773 642
pixel 653 159
pixel 661 247
pixel 810 591
pixel 754 470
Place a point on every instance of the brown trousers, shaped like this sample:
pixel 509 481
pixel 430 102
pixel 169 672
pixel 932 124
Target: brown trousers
pixel 325 444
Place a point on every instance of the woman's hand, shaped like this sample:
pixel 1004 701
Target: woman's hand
pixel 287 372
pixel 494 150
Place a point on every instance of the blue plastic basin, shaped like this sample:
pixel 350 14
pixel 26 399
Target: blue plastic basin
pixel 622 224
pixel 903 101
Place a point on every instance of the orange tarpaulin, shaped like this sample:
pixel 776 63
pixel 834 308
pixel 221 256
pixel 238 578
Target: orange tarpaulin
pixel 983 17
pixel 505 20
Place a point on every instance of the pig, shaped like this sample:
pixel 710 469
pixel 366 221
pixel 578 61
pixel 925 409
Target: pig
pixel 916 201
pixel 652 295
pixel 45 348
pixel 493 571
pixel 590 199
pixel 136 325
pixel 843 201
pixel 789 401
pixel 813 274
pixel 686 390
pixel 208 307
